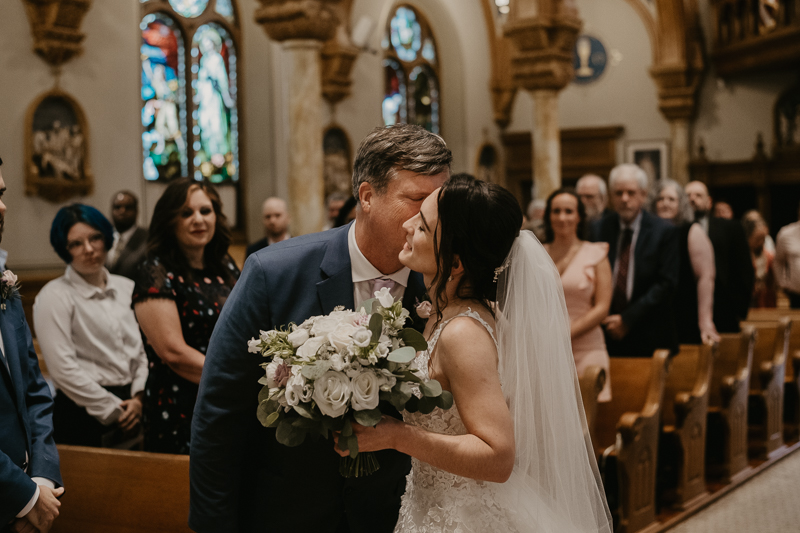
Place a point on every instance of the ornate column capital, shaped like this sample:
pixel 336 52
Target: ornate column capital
pixel 337 63
pixel 544 43
pixel 298 19
pixel 677 90
pixel 55 25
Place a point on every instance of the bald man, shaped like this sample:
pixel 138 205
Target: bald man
pixel 275 216
pixel 733 286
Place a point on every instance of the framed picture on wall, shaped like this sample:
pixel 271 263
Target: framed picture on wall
pixel 651 156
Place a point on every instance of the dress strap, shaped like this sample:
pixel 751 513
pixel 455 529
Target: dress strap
pixel 470 313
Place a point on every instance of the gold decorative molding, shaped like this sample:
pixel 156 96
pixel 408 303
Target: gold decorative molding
pixel 298 19
pixel 55 25
pixel 544 33
pixel 337 64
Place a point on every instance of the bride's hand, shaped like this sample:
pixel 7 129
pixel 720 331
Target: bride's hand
pixel 372 439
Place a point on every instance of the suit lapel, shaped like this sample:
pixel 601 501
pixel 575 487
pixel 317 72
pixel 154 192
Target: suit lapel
pixel 613 237
pixel 14 372
pixel 337 286
pixel 414 292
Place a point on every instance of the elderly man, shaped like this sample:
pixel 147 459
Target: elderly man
pixel 242 479
pixel 593 194
pixel 275 216
pixel 643 250
pixel 29 469
pixel 733 287
pixel 787 262
pixel 130 241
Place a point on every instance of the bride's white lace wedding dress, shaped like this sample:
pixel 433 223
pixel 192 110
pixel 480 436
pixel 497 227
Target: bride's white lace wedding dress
pixel 438 501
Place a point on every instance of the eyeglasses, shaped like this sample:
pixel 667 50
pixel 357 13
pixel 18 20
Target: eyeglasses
pixel 94 241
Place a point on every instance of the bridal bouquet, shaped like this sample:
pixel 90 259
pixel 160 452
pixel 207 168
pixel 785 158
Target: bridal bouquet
pixel 333 370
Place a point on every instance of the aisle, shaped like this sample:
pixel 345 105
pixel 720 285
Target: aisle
pixel 767 503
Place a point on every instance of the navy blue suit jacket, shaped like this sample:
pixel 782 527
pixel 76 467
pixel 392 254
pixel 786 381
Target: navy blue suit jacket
pixel 648 314
pixel 26 417
pixel 242 479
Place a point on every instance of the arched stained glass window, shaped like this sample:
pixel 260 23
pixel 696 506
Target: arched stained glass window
pixel 190 111
pixel 411 62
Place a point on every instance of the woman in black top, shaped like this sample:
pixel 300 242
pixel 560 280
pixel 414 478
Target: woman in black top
pixel 179 294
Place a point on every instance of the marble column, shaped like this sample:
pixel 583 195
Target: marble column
pixel 306 184
pixel 546 143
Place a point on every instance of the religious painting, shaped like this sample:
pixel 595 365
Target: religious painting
pixel 215 119
pixel 163 92
pixel 337 171
pixel 57 153
pixel 651 156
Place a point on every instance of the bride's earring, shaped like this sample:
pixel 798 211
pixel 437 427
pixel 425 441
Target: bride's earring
pixel 450 278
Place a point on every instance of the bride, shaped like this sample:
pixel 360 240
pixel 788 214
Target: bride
pixel 513 454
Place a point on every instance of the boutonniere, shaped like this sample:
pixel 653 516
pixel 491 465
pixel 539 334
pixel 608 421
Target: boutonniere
pixel 9 288
pixel 424 309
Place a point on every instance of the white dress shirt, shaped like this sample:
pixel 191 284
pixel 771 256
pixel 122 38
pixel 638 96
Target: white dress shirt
pixel 89 339
pixel 364 273
pixel 635 226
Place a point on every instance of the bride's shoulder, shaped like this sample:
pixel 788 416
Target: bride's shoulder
pixel 468 331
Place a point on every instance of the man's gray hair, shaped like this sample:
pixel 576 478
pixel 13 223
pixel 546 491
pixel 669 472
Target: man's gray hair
pixel 336 196
pixel 594 178
pixel 388 150
pixel 628 171
pixel 685 212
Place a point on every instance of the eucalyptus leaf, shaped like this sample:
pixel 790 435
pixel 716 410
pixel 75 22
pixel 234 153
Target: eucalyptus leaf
pixel 369 417
pixel 352 445
pixel 315 371
pixel 304 423
pixel 410 376
pixel 272 419
pixel 406 354
pixel 445 400
pixel 367 305
pixel 385 396
pixel 347 428
pixel 412 405
pixel 401 393
pixel 342 444
pixel 288 435
pixel 431 388
pixel 263 380
pixel 414 339
pixel 263 413
pixel 263 394
pixel 427 405
pixel 305 411
pixel 376 326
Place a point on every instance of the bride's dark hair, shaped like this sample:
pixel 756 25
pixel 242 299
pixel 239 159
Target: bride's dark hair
pixel 478 222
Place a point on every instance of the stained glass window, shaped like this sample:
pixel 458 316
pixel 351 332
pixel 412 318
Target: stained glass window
pixel 190 113
pixel 164 99
pixel 214 118
pixel 411 91
pixel 189 8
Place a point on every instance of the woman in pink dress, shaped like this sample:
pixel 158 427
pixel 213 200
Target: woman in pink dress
pixel 586 277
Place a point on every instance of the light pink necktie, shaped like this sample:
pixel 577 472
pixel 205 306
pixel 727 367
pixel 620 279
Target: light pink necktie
pixel 379 283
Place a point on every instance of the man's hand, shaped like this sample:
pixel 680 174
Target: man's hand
pixel 131 413
pixel 45 510
pixel 615 327
pixel 23 525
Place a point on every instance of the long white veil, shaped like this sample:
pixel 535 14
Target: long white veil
pixel 555 485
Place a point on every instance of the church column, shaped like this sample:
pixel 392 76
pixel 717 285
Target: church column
pixel 302 26
pixel 544 34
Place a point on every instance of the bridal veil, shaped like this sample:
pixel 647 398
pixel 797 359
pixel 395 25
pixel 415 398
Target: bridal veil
pixel 555 485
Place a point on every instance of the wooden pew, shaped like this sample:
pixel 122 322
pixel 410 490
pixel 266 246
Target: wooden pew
pixel 122 492
pixel 765 409
pixel 591 382
pixel 684 416
pixel 726 437
pixel 791 401
pixel 627 438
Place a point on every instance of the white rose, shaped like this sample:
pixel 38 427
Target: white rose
pixel 298 390
pixel 340 337
pixel 382 350
pixel 362 337
pixel 298 337
pixel 366 388
pixel 324 325
pixel 384 297
pixel 310 348
pixel 353 370
pixel 345 317
pixel 337 362
pixel 332 393
pixel 271 368
pixel 253 345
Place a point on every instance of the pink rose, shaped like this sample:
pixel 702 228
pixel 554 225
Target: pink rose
pixel 282 375
pixel 424 309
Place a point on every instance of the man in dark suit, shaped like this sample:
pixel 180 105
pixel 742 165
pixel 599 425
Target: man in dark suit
pixel 643 250
pixel 733 286
pixel 275 217
pixel 29 471
pixel 242 480
pixel 130 241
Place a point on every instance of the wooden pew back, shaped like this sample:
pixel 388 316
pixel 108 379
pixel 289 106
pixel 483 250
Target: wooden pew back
pixel 591 382
pixel 734 360
pixel 122 492
pixel 689 372
pixel 630 379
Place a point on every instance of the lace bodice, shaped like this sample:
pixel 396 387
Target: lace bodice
pixel 437 501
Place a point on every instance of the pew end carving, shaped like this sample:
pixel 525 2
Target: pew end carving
pixel 591 383
pixel 627 430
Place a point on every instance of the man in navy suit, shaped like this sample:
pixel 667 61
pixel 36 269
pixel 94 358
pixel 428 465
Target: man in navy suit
pixel 643 250
pixel 242 479
pixel 29 472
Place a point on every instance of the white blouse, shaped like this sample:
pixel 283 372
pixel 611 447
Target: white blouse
pixel 89 339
